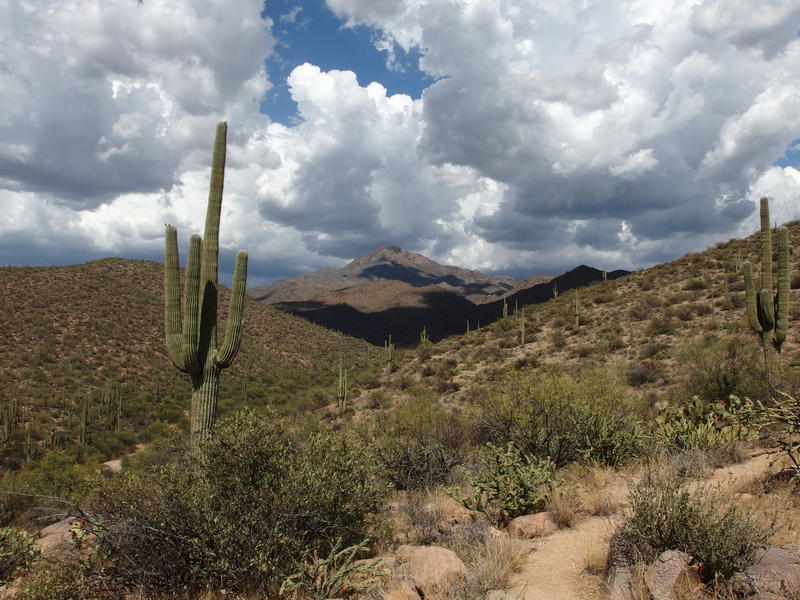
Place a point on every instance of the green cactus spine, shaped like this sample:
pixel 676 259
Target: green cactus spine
pixel 505 308
pixel 521 319
pixel 192 337
pixel 768 313
pixel 555 291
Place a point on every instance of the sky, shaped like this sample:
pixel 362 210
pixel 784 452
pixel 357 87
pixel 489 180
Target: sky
pixel 510 136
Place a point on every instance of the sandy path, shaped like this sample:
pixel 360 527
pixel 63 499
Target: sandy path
pixel 555 569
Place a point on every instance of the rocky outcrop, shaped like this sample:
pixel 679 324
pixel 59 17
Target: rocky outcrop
pixel 672 575
pixel 431 568
pixel 775 571
pixel 533 526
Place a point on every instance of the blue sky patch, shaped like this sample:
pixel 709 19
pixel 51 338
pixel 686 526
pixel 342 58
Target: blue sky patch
pixel 790 158
pixel 307 31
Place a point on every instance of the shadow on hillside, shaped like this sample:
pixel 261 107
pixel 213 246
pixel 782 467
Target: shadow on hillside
pixel 445 313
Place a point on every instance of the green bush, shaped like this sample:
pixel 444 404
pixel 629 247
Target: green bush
pixel 243 516
pixel 66 474
pixel 64 582
pixel 696 425
pixel 716 367
pixel 665 515
pixel 552 415
pixel 509 483
pixel 16 551
pixel 418 443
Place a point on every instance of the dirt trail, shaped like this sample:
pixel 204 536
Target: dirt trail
pixel 555 569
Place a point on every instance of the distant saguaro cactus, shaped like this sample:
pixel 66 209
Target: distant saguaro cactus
pixel 768 314
pixel 192 338
pixel 341 389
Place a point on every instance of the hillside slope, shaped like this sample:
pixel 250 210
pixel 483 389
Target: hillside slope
pixel 78 330
pixel 642 325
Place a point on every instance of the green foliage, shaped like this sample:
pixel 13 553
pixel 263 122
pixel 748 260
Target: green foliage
pixel 779 422
pixel 418 443
pixel 324 578
pixel 65 582
pixel 552 415
pixel 64 474
pixel 244 517
pixel 666 515
pixel 715 367
pixel 697 425
pixel 509 483
pixel 16 551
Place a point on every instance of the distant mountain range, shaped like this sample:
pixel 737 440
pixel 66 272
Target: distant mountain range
pixel 392 291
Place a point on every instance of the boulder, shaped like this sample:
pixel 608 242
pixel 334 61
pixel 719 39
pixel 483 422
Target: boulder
pixel 402 590
pixel 499 595
pixel 449 511
pixel 774 570
pixel 431 568
pixel 671 574
pixel 55 539
pixel 619 580
pixel 532 526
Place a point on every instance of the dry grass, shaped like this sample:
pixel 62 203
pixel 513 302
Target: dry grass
pixel 563 505
pixel 595 555
pixel 490 565
pixel 599 493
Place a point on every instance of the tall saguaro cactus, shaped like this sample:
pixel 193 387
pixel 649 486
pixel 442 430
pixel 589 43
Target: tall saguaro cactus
pixel 768 314
pixel 192 338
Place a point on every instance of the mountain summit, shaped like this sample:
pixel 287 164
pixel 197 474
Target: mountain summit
pixel 386 263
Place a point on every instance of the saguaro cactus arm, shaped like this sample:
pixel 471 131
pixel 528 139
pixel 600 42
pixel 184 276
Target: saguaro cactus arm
pixel 233 328
pixel 766 247
pixel 750 298
pixel 782 299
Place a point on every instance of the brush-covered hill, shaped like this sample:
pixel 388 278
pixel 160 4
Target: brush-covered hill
pixel 650 326
pixel 79 330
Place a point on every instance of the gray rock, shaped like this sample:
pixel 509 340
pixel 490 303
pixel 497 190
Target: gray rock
pixel 774 570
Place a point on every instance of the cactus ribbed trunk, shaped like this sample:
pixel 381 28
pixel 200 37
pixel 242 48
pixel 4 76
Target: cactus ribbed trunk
pixel 205 392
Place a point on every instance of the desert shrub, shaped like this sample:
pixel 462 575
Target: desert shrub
pixel 418 443
pixel 243 515
pixel 716 367
pixel 16 551
pixel 661 325
pixel 654 350
pixel 778 420
pixel 66 474
pixel 113 443
pixel 509 483
pixel 65 582
pixel 696 425
pixel 694 285
pixel 551 415
pixel 646 371
pixel 665 515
